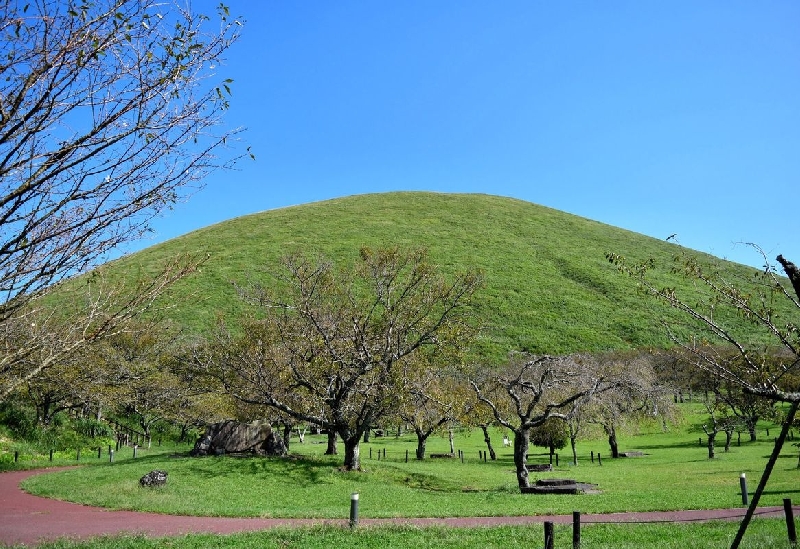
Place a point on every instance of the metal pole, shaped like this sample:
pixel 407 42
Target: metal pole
pixel 743 486
pixel 576 530
pixel 353 509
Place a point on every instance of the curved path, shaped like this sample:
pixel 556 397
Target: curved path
pixel 27 519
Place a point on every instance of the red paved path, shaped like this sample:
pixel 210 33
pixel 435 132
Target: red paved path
pixel 27 519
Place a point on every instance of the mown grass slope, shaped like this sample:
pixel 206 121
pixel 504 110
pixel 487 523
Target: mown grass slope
pixel 548 286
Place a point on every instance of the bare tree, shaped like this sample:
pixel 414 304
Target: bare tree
pixel 719 420
pixel 529 390
pixel 764 301
pixel 436 398
pixel 107 116
pixel 340 349
pixel 48 329
pixel 639 399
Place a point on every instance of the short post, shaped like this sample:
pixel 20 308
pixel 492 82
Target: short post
pixel 787 509
pixel 109 449
pixel 700 441
pixel 51 454
pixel 743 486
pixel 353 509
pixel 135 446
pixel 598 459
pixel 16 456
pixel 576 530
pixel 549 543
pixel 461 452
pixel 111 456
pixel 484 455
pixel 556 460
pixel 78 457
pixel 384 453
pixel 406 455
pixel 370 453
pixel 99 452
pixel 592 456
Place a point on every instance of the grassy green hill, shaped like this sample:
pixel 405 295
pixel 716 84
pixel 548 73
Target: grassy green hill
pixel 548 287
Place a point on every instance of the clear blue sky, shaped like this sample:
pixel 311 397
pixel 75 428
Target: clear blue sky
pixel 658 117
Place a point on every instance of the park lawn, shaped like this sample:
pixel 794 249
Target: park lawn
pixel 762 534
pixel 675 474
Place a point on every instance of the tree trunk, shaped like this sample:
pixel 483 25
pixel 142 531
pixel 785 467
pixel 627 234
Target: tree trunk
pixel 452 444
pixel 728 438
pixel 751 429
pixel 612 441
pixel 574 451
pixel 46 414
pixel 332 450
pixel 521 443
pixel 366 434
pixel 421 440
pixel 352 452
pixel 287 434
pixel 184 434
pixel 487 439
pixel 711 436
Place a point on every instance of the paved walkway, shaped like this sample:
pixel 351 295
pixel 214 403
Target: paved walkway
pixel 27 519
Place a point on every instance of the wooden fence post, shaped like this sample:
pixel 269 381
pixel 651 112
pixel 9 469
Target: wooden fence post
pixel 787 509
pixel 549 543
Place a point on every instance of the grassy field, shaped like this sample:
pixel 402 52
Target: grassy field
pixel 762 534
pixel 548 286
pixel 674 474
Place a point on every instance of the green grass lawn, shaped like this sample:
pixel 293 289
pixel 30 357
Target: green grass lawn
pixel 675 474
pixel 762 534
pixel 548 285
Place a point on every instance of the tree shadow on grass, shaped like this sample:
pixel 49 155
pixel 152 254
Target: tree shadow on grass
pixel 300 471
pixel 690 444
pixel 780 492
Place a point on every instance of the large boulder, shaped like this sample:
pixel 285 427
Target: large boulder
pixel 273 445
pixel 233 437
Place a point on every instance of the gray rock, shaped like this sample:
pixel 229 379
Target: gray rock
pixel 233 437
pixel 154 478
